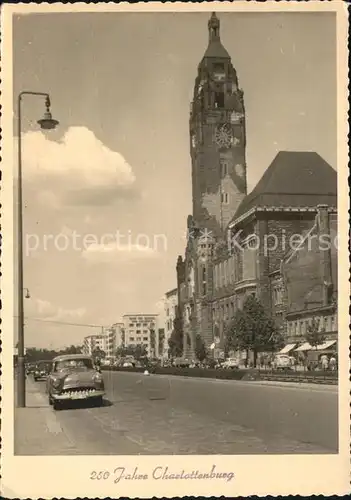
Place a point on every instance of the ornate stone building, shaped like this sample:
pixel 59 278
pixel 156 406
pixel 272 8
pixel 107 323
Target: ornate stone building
pixel 237 241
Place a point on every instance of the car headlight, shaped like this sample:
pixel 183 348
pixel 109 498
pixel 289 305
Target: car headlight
pixel 98 379
pixel 56 382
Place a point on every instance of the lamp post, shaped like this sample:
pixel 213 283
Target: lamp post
pixel 46 123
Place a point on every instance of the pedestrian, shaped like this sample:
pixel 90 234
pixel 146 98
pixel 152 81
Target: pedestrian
pixel 332 363
pixel 324 362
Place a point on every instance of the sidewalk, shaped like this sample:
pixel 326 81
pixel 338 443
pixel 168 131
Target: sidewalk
pixel 37 429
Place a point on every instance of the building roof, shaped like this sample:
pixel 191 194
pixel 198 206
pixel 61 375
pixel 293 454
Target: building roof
pixel 174 291
pixel 215 47
pixel 296 179
pixel 302 271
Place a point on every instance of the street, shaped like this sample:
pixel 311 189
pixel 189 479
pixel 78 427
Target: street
pixel 161 414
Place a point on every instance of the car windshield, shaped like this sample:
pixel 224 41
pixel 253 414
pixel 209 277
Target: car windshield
pixel 73 364
pixel 42 366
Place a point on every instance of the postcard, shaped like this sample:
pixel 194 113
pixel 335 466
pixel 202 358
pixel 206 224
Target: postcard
pixel 174 250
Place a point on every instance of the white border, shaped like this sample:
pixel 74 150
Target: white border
pixel 68 477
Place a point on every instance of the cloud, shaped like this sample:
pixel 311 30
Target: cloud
pixel 82 169
pixel 116 252
pixel 44 309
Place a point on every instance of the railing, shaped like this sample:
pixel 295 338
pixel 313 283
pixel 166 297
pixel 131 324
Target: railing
pixel 316 377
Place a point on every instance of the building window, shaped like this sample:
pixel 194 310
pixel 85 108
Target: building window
pixel 204 281
pixel 145 338
pixel 131 339
pixel 145 331
pixel 218 67
pixel 334 323
pixel 278 295
pixel 225 198
pixel 144 324
pixel 138 324
pixel 327 323
pixel 138 331
pixel 224 168
pixel 131 325
pixel 219 100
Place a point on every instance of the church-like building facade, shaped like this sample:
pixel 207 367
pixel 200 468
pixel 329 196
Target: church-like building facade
pixel 238 243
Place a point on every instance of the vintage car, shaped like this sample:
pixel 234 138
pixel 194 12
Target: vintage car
pixel 30 368
pixel 41 370
pixel 74 377
pixel 231 364
pixel 282 362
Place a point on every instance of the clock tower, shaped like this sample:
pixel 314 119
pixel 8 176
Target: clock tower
pixel 217 138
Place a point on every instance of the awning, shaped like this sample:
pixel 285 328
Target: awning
pixel 307 347
pixel 287 349
pixel 304 347
pixel 326 345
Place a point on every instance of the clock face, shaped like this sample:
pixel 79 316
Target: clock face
pixel 239 169
pixel 223 136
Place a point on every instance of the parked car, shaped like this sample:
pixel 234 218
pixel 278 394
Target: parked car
pixel 74 377
pixel 41 370
pixel 231 364
pixel 181 362
pixel 282 362
pixel 30 368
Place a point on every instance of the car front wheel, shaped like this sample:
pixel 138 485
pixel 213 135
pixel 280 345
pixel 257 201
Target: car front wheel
pixel 57 405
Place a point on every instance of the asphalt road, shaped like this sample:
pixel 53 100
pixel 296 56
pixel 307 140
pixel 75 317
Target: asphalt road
pixel 175 415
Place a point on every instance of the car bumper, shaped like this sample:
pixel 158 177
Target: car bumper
pixel 78 395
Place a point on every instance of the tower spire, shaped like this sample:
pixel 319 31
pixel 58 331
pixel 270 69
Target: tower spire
pixel 213 27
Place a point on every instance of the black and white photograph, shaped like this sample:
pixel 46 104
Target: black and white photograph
pixel 175 249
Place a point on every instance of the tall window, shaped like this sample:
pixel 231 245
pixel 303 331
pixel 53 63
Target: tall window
pixel 225 198
pixel 224 168
pixel 204 281
pixel 219 100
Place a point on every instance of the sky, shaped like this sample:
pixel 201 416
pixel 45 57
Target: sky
pixel 117 169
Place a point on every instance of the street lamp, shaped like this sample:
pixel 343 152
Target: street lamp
pixel 46 123
pixel 27 296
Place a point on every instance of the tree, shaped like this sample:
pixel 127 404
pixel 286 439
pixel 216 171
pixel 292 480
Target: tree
pixel 161 340
pixel 200 348
pixel 315 336
pixel 251 329
pixel 73 349
pixel 138 351
pixel 98 353
pixel 175 342
pixel 153 342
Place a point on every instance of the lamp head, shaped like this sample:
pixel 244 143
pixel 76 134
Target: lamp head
pixel 27 294
pixel 47 122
